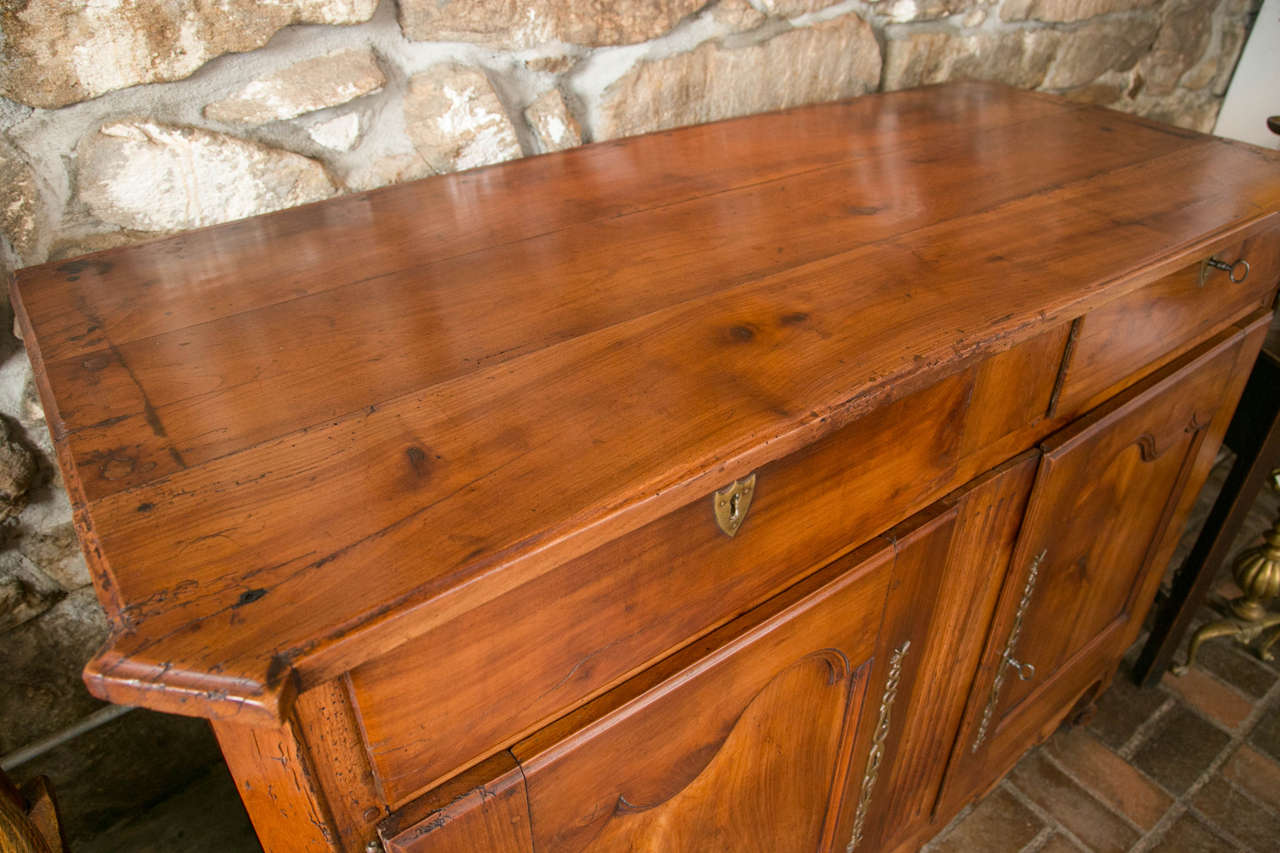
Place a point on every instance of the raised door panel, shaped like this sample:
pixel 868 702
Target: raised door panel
pixel 941 603
pixel 738 744
pixel 1107 490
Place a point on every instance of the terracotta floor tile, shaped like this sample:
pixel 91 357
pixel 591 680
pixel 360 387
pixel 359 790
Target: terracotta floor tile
pixel 1181 747
pixel 1122 709
pixel 998 824
pixel 1108 777
pixel 1076 809
pixel 1189 835
pixel 1059 844
pixel 1254 772
pixel 1226 807
pixel 1266 735
pixel 1238 668
pixel 1210 696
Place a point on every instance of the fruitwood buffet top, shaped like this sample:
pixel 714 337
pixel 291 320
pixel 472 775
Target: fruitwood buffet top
pixel 295 441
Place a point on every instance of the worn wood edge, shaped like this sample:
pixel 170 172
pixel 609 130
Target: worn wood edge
pixel 404 822
pixel 99 569
pixel 754 279
pixel 275 777
pixel 322 657
pixel 129 681
pixel 143 682
pixel 623 515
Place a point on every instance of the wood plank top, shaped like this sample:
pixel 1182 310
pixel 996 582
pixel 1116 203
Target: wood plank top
pixel 294 441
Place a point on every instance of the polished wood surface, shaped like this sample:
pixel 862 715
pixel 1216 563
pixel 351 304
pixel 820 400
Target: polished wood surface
pixel 483 809
pixel 623 589
pixel 297 442
pixel 944 602
pixel 1130 337
pixel 1111 491
pixel 744 771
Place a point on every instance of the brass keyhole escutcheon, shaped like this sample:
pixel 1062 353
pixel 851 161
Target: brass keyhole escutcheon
pixel 732 503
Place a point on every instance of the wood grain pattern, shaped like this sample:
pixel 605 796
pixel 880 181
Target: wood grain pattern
pixel 695 325
pixel 1107 492
pixel 272 383
pixel 595 620
pixel 485 809
pixel 942 605
pixel 276 779
pixel 636 770
pixel 598 618
pixel 1129 337
pixel 334 739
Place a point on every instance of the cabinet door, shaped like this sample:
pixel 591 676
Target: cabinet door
pixel 740 744
pixel 942 599
pixel 1108 490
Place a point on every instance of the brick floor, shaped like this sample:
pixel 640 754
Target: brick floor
pixel 1191 765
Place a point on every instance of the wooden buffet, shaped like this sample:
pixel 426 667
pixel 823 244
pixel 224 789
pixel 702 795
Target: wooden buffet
pixel 768 485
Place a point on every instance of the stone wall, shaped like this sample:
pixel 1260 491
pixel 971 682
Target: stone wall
pixel 121 120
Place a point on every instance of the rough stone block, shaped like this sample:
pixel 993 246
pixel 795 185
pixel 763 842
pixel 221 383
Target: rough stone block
pixel 834 59
pixel 17 471
pixel 340 133
pixel 904 11
pixel 21 601
pixel 313 84
pixel 26 217
pixel 388 169
pixel 1184 36
pixel 455 120
pixel 1066 11
pixel 57 552
pixel 58 53
pixel 40 664
pixel 1086 53
pixel 1018 57
pixel 524 23
pixel 738 15
pixel 792 8
pixel 153 177
pixel 552 123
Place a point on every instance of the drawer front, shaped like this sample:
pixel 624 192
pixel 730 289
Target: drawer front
pixel 741 746
pixel 476 684
pixel 1130 337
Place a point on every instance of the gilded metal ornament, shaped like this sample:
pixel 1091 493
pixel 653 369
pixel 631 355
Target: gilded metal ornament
pixel 876 755
pixel 1024 671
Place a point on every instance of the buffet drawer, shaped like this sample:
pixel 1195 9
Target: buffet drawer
pixel 709 743
pixel 478 683
pixel 1130 337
